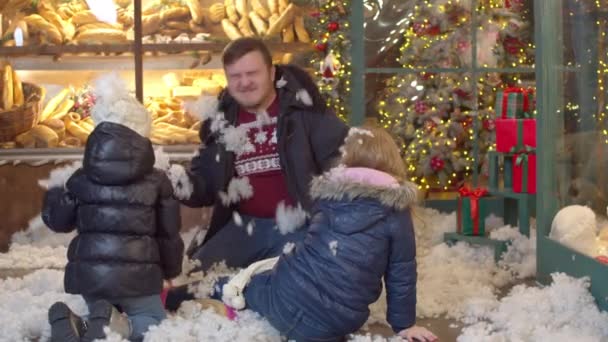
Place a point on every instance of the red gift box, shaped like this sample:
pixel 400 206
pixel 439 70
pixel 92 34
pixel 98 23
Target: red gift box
pixel 509 135
pixel 524 173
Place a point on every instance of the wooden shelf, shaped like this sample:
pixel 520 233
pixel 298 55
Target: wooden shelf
pixel 168 48
pixel 40 156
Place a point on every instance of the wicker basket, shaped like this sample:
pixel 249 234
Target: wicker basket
pixel 18 120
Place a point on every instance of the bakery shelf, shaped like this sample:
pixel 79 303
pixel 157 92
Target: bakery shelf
pixel 40 156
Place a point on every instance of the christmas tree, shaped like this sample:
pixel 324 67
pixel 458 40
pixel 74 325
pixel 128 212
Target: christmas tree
pixel 433 114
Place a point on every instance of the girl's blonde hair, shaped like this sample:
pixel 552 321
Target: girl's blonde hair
pixel 372 147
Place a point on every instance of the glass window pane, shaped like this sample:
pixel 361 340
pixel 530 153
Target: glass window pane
pixel 583 152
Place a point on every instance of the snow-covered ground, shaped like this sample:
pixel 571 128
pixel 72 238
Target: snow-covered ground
pixel 459 282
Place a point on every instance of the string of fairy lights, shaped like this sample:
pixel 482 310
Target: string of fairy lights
pixel 332 40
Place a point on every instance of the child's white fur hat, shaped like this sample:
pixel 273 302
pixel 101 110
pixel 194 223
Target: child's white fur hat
pixel 114 104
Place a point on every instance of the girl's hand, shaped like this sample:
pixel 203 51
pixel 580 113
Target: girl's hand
pixel 167 284
pixel 416 333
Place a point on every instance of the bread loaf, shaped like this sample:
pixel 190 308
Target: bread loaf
pixel 288 34
pixel 101 36
pixel 150 24
pixel 242 7
pixel 39 136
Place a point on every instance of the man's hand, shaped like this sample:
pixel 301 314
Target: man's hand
pixel 416 333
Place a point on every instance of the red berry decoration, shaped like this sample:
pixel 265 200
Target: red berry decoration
pixel 333 26
pixel 321 47
pixel 437 164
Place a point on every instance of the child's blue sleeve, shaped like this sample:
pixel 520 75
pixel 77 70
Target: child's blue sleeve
pixel 59 210
pixel 400 277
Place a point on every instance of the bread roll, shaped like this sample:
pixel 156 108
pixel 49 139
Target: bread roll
pixel 39 136
pixel 283 4
pixel 273 6
pixel 217 12
pixel 57 126
pixel 285 19
pixel 150 24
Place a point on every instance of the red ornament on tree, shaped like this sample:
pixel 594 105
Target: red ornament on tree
pixel 513 45
pixel 488 124
pixel 315 14
pixel 420 107
pixel 321 47
pixel 333 26
pixel 437 164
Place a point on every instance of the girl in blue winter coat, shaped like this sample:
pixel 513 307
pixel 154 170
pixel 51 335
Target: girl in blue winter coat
pixel 127 220
pixel 361 233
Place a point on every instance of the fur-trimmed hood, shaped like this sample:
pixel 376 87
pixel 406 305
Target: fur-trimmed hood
pixel 342 183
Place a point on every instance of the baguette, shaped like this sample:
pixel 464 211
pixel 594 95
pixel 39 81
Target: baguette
pixel 231 11
pixel 37 24
pixel 66 28
pixel 178 25
pixel 231 31
pixel 62 109
pixel 196 11
pixel 98 25
pixel 245 27
pixel 174 13
pixel 101 36
pixel 283 4
pixel 53 103
pixel 285 19
pixel 273 6
pixel 260 25
pixel 273 19
pixel 242 7
pixel 18 99
pixel 300 29
pixel 288 34
pixel 260 9
pixel 7 89
pixel 84 17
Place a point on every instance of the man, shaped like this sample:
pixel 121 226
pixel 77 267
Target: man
pixel 290 137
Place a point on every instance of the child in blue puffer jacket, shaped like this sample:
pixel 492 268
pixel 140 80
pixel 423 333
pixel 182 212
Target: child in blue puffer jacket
pixel 361 233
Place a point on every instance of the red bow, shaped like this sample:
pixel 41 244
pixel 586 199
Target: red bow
pixel 475 195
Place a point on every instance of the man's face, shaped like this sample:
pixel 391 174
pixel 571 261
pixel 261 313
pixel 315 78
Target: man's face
pixel 250 81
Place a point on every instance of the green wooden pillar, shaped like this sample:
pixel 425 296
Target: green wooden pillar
pixel 549 89
pixel 357 54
